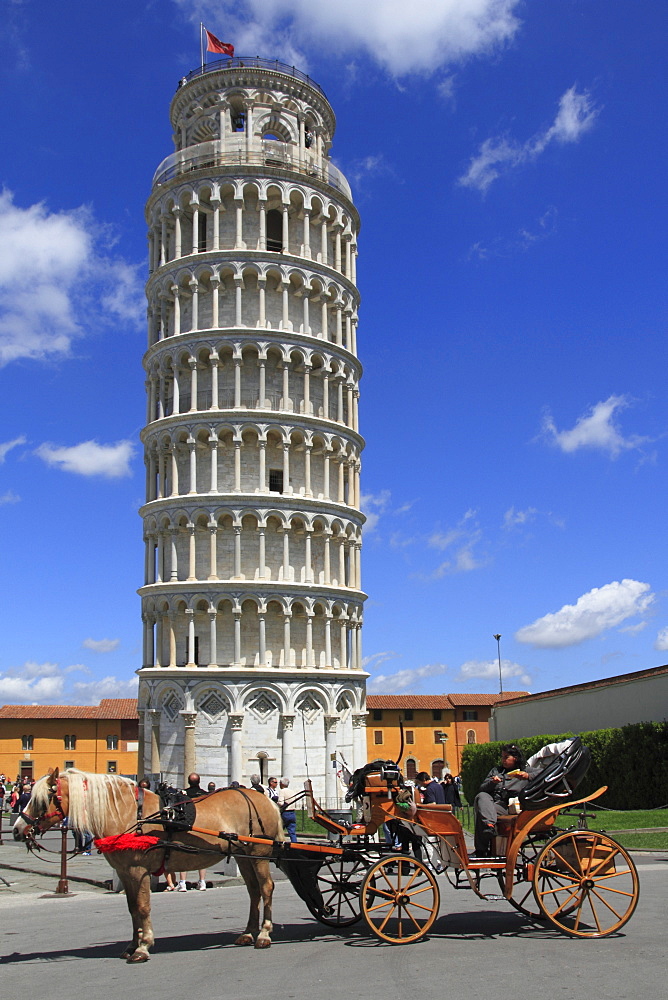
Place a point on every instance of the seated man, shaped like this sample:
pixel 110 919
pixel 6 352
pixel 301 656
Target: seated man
pixel 492 799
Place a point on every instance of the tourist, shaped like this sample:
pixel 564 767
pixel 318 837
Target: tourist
pixel 193 791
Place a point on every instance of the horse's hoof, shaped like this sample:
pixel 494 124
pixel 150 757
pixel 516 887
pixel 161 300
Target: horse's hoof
pixel 138 956
pixel 263 942
pixel 126 954
pixel 244 939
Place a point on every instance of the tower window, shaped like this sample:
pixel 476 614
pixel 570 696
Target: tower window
pixel 201 235
pixel 239 122
pixel 276 480
pixel 274 231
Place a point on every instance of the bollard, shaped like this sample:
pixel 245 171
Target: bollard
pixel 62 889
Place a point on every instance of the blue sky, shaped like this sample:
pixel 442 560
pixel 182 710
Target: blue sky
pixel 508 162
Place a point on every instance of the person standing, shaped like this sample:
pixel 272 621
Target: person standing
pixel 272 790
pixel 193 791
pixel 451 793
pixel 286 805
pixel 432 792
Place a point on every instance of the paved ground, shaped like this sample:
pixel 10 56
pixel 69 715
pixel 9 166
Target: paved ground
pixel 65 947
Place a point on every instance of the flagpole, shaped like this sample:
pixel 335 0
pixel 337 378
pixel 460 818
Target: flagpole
pixel 201 44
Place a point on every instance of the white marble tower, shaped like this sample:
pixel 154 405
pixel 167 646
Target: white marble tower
pixel 252 599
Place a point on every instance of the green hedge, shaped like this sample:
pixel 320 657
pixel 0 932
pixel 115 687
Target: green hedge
pixel 631 761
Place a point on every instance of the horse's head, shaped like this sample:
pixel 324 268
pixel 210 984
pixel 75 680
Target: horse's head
pixel 47 806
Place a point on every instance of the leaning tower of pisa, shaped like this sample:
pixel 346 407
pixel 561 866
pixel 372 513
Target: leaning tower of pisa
pixel 252 599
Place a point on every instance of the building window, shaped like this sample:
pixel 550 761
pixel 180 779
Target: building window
pixel 410 736
pixel 377 715
pixel 470 736
pixel 201 236
pixel 470 716
pixel 436 715
pixel 438 736
pixel 112 742
pixel 411 769
pixel 274 231
pixel 111 767
pixel 378 736
pixel 437 769
pixel 68 763
pixel 276 480
pixel 27 742
pixel 408 715
pixel 70 742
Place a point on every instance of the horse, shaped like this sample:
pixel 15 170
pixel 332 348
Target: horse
pixel 110 805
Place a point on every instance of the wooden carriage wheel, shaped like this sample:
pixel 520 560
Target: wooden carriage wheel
pixel 339 882
pixel 585 884
pixel 523 897
pixel 400 899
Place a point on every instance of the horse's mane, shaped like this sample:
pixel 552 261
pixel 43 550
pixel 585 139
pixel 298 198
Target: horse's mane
pixel 95 800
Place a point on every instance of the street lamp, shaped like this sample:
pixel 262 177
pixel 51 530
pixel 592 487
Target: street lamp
pixel 443 739
pixel 498 648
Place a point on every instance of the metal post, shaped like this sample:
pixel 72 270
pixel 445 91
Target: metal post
pixel 498 647
pixel 62 889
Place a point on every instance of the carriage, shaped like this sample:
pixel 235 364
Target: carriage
pixel 578 880
pixel 548 866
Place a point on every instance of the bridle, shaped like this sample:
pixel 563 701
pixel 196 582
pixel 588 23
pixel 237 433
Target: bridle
pixel 35 822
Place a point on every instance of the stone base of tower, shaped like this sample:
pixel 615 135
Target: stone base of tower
pixel 230 724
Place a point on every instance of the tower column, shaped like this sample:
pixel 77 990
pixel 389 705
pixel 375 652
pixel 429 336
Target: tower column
pixel 287 725
pixel 236 756
pixel 154 716
pixel 189 756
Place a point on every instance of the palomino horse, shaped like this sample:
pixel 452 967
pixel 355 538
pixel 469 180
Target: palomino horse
pixel 107 805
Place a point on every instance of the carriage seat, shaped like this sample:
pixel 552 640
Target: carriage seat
pixel 557 782
pixel 435 807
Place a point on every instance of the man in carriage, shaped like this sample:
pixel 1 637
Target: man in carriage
pixel 506 780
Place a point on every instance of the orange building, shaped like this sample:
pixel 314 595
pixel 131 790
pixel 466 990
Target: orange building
pixel 104 738
pixel 436 727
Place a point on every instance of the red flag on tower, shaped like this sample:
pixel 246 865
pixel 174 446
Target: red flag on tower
pixel 214 44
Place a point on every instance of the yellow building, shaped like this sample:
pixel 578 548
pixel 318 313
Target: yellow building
pixel 436 728
pixel 103 738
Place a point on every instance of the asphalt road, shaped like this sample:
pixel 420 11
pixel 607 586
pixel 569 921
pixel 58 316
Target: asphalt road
pixel 64 948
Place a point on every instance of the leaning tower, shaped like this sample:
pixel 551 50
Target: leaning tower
pixel 252 599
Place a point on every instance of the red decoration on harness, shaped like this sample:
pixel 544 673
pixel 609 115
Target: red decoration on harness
pixel 126 842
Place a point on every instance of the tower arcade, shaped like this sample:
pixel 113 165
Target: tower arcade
pixel 252 599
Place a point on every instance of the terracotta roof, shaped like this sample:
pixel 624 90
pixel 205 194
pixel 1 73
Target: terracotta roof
pixel 47 712
pixel 109 708
pixel 117 708
pixel 459 700
pixel 408 701
pixel 602 683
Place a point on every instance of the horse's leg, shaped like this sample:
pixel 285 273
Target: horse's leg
pixel 137 884
pixel 247 869
pixel 266 885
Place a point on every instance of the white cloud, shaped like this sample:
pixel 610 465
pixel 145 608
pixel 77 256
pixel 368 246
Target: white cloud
pixel 8 445
pixel 489 670
pixel 9 497
pixel 101 645
pixel 461 541
pixel 595 429
pixel 517 518
pixel 90 692
pixel 661 641
pixel 375 660
pixel 404 680
pixel 32 682
pixel 420 37
pixel 53 276
pixel 599 609
pixel 373 505
pixel 90 458
pixel 575 116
